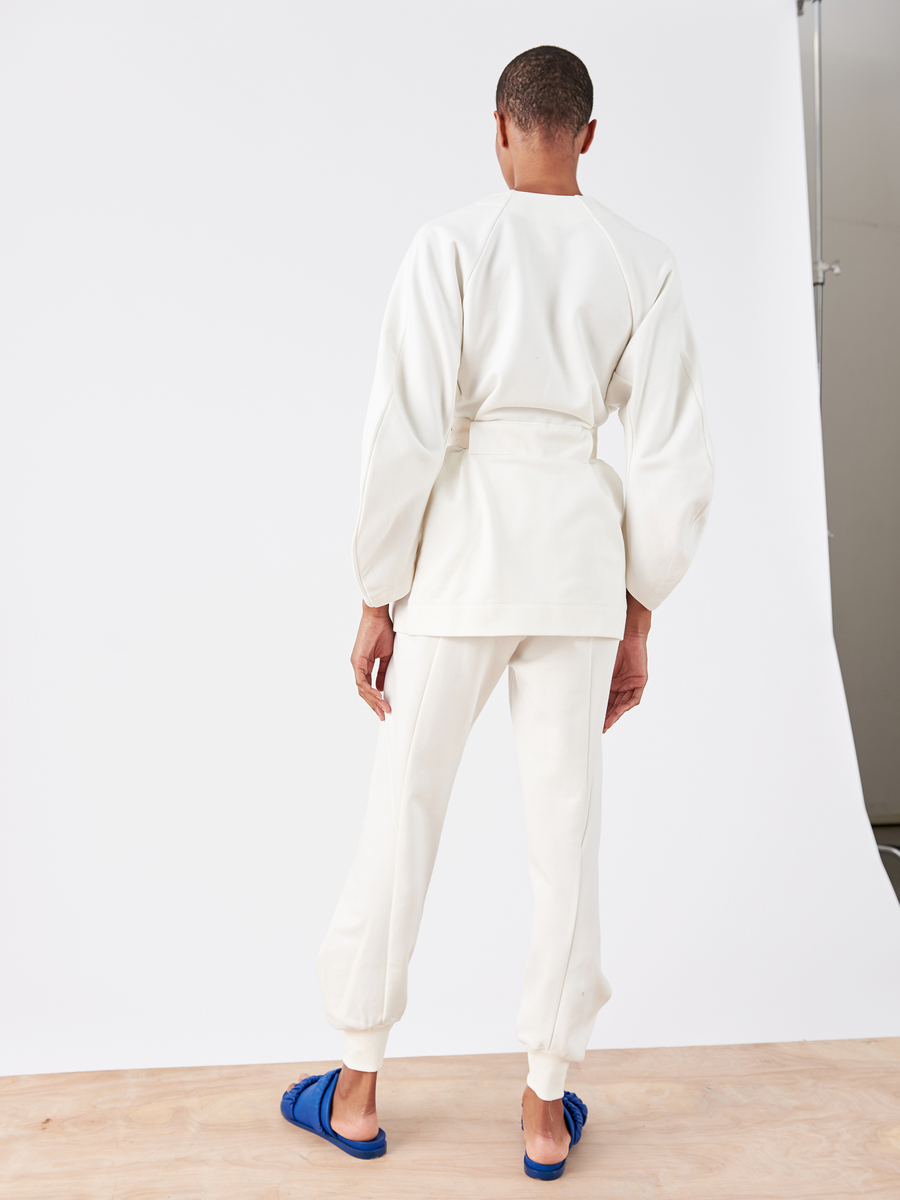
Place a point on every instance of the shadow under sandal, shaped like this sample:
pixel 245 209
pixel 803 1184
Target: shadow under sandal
pixel 575 1113
pixel 308 1106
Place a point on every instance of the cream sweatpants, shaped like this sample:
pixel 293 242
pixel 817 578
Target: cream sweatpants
pixel 437 686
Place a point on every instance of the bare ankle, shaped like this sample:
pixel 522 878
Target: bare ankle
pixel 546 1133
pixel 353 1113
pixel 357 1087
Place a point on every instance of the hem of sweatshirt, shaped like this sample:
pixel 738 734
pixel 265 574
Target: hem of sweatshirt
pixel 364 1048
pixel 502 620
pixel 546 1075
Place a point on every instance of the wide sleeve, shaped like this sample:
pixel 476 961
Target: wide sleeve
pixel 409 416
pixel 669 463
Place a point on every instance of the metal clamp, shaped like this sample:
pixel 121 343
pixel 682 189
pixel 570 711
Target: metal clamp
pixel 820 268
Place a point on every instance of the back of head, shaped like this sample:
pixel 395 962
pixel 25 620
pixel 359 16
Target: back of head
pixel 546 91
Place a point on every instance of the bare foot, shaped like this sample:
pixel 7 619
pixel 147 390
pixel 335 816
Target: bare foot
pixel 546 1133
pixel 353 1113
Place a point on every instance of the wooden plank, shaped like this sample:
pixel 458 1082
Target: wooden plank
pixel 799 1121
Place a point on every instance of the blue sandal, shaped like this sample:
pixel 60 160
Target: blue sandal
pixel 308 1106
pixel 575 1113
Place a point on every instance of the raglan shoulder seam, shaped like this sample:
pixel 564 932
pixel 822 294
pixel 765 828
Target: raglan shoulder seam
pixel 605 232
pixel 487 238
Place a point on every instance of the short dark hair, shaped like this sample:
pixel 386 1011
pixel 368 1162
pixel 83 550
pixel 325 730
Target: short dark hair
pixel 546 90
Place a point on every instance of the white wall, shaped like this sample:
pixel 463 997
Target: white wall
pixel 203 208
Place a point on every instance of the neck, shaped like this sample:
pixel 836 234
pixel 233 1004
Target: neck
pixel 541 170
pixel 549 185
pixel 532 162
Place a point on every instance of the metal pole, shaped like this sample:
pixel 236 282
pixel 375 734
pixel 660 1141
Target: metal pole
pixel 820 267
pixel 818 272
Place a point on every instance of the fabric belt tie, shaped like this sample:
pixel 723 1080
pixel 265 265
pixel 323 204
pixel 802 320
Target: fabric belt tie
pixel 526 439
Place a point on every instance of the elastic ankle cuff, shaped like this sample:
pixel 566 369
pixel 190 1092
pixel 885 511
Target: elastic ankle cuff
pixel 546 1074
pixel 364 1048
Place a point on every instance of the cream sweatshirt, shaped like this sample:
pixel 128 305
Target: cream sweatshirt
pixel 515 327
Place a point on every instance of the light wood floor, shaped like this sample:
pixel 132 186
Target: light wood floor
pixel 803 1121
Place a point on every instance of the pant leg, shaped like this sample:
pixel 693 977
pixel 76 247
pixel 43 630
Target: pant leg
pixel 436 687
pixel 559 688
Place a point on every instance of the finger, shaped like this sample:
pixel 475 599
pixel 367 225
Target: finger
pixel 375 700
pixel 619 701
pixel 622 703
pixel 376 708
pixel 382 672
pixel 630 699
pixel 362 671
pixel 611 717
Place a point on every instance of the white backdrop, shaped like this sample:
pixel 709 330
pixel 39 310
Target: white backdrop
pixel 202 211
